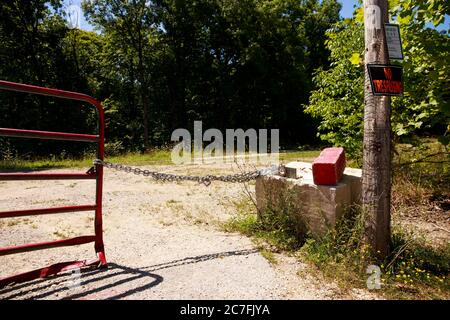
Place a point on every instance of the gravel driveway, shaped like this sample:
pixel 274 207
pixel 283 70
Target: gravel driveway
pixel 163 241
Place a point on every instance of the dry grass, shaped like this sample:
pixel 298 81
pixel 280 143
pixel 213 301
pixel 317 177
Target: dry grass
pixel 418 267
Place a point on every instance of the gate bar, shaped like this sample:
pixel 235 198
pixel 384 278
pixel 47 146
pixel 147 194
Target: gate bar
pixel 47 245
pixel 26 88
pixel 38 212
pixel 96 174
pixel 19 133
pixel 48 271
pixel 46 176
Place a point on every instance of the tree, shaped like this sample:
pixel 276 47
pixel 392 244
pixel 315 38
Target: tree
pixel 34 50
pixel 338 98
pixel 159 65
pixel 243 63
pixel 129 27
pixel 376 174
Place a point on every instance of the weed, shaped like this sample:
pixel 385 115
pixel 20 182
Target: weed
pixel 14 222
pixel 341 251
pixel 62 234
pixel 245 224
pixel 7 152
pixel 175 205
pixel 269 256
pixel 413 270
pixel 277 228
pixel 416 268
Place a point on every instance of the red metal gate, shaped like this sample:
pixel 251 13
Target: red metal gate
pixel 96 174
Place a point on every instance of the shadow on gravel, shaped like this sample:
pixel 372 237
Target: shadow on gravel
pixel 197 259
pixel 114 282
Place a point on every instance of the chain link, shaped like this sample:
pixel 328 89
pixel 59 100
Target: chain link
pixel 206 180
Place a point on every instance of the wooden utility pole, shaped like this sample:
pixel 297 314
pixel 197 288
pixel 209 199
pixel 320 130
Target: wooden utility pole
pixel 376 180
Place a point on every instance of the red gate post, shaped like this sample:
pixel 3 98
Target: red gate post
pixel 96 174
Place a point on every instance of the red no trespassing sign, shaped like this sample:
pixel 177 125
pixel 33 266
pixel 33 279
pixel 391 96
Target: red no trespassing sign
pixel 386 80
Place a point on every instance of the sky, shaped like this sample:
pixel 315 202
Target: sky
pixel 347 8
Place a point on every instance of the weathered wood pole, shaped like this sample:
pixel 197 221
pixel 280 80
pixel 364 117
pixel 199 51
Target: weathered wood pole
pixel 376 180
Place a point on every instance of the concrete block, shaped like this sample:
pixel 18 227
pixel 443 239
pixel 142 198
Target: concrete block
pixel 314 208
pixel 296 170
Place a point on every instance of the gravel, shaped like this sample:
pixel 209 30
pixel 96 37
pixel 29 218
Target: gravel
pixel 163 241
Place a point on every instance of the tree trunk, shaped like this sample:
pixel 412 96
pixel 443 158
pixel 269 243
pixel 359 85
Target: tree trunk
pixel 376 180
pixel 143 87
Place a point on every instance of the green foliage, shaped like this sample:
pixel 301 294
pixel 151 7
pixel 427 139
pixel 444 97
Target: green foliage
pixel 38 48
pixel 414 268
pixel 413 263
pixel 160 65
pixel 339 98
pixel 338 103
pixel 277 227
pixel 127 63
pixel 427 72
pixel 342 248
pixel 417 13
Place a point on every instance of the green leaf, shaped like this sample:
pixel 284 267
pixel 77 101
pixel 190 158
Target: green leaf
pixel 438 20
pixel 355 58
pixel 400 130
pixel 404 19
pixel 359 15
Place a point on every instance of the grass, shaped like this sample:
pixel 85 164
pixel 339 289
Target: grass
pixel 172 201
pixel 16 221
pixel 151 157
pixel 270 229
pixel 423 187
pixel 306 156
pixel 417 268
pixel 42 164
pixel 269 256
pixel 13 222
pixel 61 234
pixel 246 222
pixel 155 157
pixel 175 205
pixel 414 270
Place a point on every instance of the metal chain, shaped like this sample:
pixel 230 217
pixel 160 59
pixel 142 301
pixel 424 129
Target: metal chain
pixel 206 180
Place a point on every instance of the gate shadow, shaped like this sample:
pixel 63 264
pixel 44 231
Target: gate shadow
pixel 104 283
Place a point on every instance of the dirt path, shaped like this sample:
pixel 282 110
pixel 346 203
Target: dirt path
pixel 163 241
